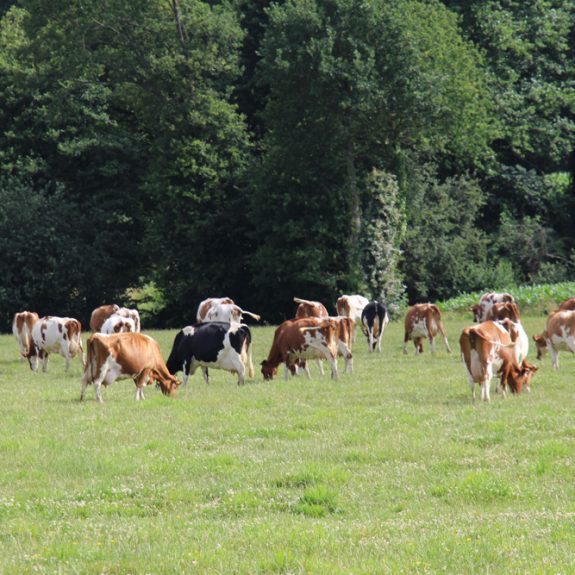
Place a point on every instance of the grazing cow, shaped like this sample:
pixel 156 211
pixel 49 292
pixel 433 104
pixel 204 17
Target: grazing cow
pixel 303 339
pixel 488 347
pixel 208 303
pixel 51 334
pixel 568 305
pixel 351 306
pixel 118 324
pixel 102 313
pixel 559 335
pixel 216 344
pixel 423 320
pixel 374 318
pixel 123 355
pixel 486 302
pixel 228 312
pixel 22 329
pixel 307 308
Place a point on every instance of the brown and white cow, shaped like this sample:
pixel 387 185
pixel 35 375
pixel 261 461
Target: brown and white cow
pixel 488 348
pixel 423 320
pixel 118 324
pixel 303 339
pixel 509 312
pixel 102 313
pixel 62 335
pixel 568 304
pixel 22 325
pixel 559 335
pixel 351 306
pixel 307 308
pixel 126 355
pixel 208 303
pixel 228 312
pixel 486 302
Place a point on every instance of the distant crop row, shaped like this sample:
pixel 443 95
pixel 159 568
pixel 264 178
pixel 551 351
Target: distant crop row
pixel 535 298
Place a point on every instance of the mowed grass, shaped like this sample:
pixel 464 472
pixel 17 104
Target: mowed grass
pixel 389 470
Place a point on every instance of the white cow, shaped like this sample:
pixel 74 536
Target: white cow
pixel 228 312
pixel 351 306
pixel 51 334
pixel 118 324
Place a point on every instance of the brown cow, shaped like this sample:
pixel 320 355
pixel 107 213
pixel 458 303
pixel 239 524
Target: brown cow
pixel 504 310
pixel 208 303
pixel 423 320
pixel 486 302
pixel 488 347
pixel 302 339
pixel 307 308
pixel 559 335
pixel 123 355
pixel 568 304
pixel 22 325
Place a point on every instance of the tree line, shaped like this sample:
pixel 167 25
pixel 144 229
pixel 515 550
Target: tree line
pixel 170 150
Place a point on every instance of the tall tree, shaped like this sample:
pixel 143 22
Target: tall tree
pixel 352 84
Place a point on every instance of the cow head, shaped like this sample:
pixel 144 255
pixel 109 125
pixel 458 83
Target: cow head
pixel 169 385
pixel 33 355
pixel 476 310
pixel 541 344
pixel 268 370
pixel 522 377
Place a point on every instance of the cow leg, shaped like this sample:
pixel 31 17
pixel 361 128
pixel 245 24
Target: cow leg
pixel 320 366
pixel 333 364
pixel 432 343
pixel 405 340
pixel 554 356
pixel 440 327
pixel 206 374
pixel 379 341
pixel 486 383
pixel 141 380
pixel 241 370
pixel 44 357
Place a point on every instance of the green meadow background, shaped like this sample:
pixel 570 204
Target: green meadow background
pixel 390 470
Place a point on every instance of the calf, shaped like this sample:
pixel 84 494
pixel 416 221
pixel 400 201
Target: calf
pixel 351 306
pixel 102 313
pixel 486 348
pixel 118 324
pixel 374 318
pixel 423 320
pixel 228 312
pixel 208 303
pixel 212 344
pixel 303 339
pixel 22 325
pixel 486 302
pixel 124 355
pixel 307 308
pixel 61 335
pixel 559 335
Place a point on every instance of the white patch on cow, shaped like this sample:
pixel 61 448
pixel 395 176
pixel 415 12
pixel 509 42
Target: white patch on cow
pixel 188 330
pixel 419 328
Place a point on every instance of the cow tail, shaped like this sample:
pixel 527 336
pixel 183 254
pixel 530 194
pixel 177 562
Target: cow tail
pixel 248 351
pixel 88 373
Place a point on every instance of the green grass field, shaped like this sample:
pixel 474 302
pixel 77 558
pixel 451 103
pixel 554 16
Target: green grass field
pixel 390 470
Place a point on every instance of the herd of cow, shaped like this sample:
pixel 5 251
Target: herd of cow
pixel 496 344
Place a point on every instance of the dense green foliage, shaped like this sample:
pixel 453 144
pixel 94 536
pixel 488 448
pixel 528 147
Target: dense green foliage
pixel 391 470
pixel 263 150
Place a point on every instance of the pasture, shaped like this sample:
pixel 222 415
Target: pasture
pixel 389 470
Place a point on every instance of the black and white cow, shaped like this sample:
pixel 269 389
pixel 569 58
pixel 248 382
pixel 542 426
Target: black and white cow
pixel 214 344
pixel 374 318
